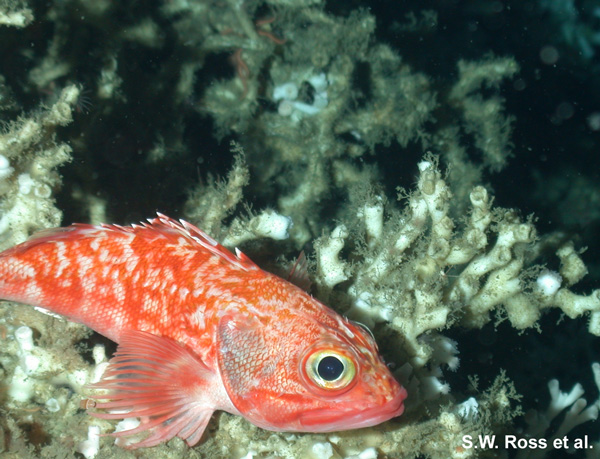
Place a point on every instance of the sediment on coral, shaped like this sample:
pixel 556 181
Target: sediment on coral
pixel 29 158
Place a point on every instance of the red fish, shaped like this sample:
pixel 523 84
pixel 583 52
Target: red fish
pixel 200 329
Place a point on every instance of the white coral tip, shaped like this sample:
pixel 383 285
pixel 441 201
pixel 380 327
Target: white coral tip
pixel 548 282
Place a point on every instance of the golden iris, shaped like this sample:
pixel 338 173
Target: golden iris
pixel 330 370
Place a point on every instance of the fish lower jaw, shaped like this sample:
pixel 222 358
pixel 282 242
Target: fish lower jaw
pixel 332 420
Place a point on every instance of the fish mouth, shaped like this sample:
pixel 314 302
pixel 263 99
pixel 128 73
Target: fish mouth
pixel 334 419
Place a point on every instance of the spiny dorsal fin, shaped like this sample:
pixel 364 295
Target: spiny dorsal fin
pixel 194 233
pixel 162 226
pixel 299 273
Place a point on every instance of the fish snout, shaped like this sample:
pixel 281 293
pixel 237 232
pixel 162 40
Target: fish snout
pixel 364 410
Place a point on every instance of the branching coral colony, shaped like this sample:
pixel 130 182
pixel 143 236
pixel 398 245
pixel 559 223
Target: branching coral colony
pixel 440 256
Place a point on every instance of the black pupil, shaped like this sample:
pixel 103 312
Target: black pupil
pixel 330 368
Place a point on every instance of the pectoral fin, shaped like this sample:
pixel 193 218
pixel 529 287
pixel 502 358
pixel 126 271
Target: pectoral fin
pixel 160 382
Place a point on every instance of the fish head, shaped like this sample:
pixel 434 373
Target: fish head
pixel 347 382
pixel 319 375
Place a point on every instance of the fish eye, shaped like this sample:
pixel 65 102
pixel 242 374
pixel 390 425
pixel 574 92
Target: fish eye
pixel 330 370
